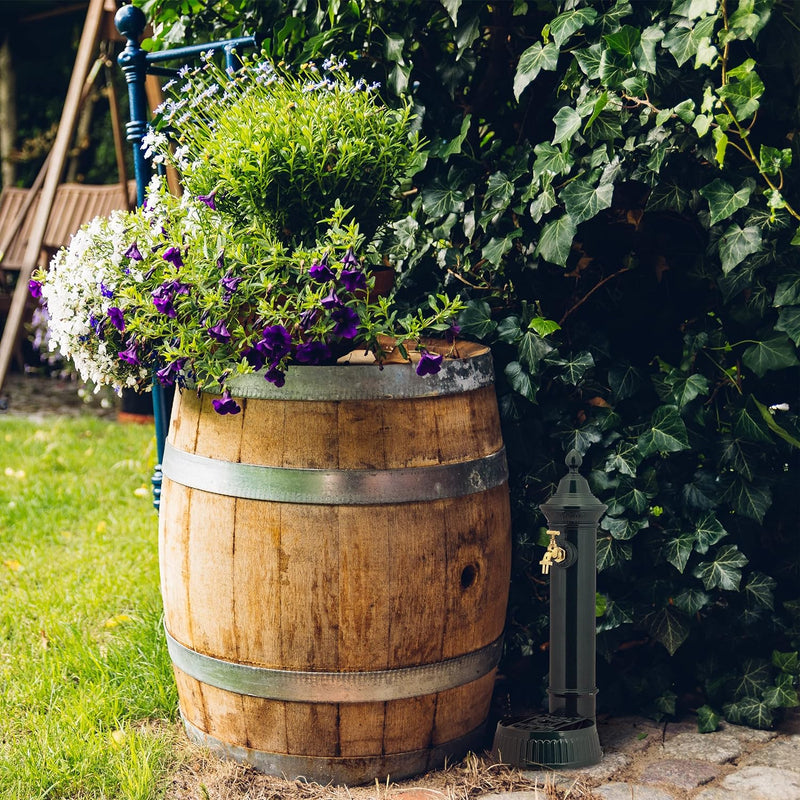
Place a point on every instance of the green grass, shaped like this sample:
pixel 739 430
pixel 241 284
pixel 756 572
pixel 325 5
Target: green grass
pixel 84 670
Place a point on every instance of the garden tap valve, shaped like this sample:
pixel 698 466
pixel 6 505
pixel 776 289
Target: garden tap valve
pixel 553 554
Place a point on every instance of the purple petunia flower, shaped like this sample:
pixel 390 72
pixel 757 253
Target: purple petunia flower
pixel 274 375
pixel 96 325
pixel 255 357
pixel 429 363
pixel 35 288
pixel 275 343
pixel 346 322
pixel 163 297
pixel 219 332
pixel 452 333
pixel 221 261
pixel 117 318
pixel 226 404
pixel 133 252
pixel 353 279
pixel 312 352
pixel 130 355
pixel 349 259
pixel 171 372
pixel 230 284
pixel 308 318
pixel 331 300
pixel 320 272
pixel 173 255
pixel 208 199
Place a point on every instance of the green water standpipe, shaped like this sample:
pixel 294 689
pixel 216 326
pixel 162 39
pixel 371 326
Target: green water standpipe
pixel 566 737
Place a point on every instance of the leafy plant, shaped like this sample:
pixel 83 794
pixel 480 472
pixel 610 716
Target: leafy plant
pixel 613 185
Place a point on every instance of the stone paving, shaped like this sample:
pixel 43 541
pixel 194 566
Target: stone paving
pixel 644 760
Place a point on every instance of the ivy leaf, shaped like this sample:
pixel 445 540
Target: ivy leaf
pixel 520 381
pixel 736 244
pixel 583 200
pixel 678 549
pixel 632 498
pixel 439 201
pixel 748 425
pixel 532 349
pixel 497 247
pixel 581 439
pixel 644 55
pixel 509 330
pixel 573 368
pixel 724 572
pixel 691 600
pixel 787 292
pixel 723 200
pixel 769 419
pixel 535 59
pixel 786 662
pixel 564 25
pixel 611 552
pixel 751 500
pixel 624 459
pixel 743 94
pixel 687 389
pixel 542 326
pixel 707 720
pixel 749 711
pixel 624 41
pixel 708 532
pixel 680 43
pixel 759 590
pixel 568 123
pixel 667 433
pixel 622 528
pixel 774 353
pixel 555 242
pixel 624 380
pixel 545 201
pixel 755 677
pixel 446 149
pixel 614 68
pixel 772 161
pixel 452 7
pixel 668 628
pixel 476 320
pixel 550 159
pixel 668 196
pixel 588 60
pixel 782 694
pixel 789 323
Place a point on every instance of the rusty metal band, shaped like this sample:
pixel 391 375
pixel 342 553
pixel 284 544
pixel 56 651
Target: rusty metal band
pixel 334 487
pixel 335 687
pixel 352 771
pixel 368 381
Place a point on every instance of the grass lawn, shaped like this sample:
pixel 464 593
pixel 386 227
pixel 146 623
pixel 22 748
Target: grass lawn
pixel 84 673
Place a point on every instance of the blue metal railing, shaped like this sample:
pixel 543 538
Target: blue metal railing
pixel 136 64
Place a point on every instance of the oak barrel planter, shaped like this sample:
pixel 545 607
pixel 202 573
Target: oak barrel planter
pixel 335 563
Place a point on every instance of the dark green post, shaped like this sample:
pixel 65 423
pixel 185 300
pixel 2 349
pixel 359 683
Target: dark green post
pixel 567 736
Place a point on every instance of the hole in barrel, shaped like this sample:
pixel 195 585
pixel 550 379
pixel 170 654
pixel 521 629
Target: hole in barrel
pixel 468 575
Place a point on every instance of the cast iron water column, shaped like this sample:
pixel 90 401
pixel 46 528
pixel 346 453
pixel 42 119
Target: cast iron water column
pixel 566 737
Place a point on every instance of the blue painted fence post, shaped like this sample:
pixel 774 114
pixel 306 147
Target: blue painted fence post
pixel 130 22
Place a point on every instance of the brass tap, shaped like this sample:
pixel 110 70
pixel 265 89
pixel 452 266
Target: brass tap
pixel 553 554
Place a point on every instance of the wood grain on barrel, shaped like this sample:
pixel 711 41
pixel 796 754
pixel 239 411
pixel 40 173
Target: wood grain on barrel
pixel 338 588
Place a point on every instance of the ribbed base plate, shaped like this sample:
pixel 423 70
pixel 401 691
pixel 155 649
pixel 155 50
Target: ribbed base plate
pixel 547 740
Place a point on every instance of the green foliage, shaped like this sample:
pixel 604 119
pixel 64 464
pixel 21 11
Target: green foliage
pixel 628 172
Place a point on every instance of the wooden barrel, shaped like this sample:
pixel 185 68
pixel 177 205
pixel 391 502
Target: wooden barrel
pixel 335 564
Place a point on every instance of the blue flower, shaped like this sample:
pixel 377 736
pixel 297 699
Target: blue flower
pixel 130 355
pixel 346 322
pixel 208 199
pixel 429 363
pixel 173 255
pixel 219 332
pixel 117 318
pixel 320 272
pixel 230 284
pixel 226 404
pixel 105 291
pixel 312 353
pixel 133 252
pixel 353 279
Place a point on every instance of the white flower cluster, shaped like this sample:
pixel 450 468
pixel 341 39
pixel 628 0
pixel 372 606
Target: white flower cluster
pixel 79 292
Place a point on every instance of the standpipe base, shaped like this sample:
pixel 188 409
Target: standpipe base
pixel 547 740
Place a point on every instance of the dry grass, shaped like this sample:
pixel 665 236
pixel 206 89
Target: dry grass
pixel 202 776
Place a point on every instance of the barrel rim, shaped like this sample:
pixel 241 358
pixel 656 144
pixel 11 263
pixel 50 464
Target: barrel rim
pixel 393 381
